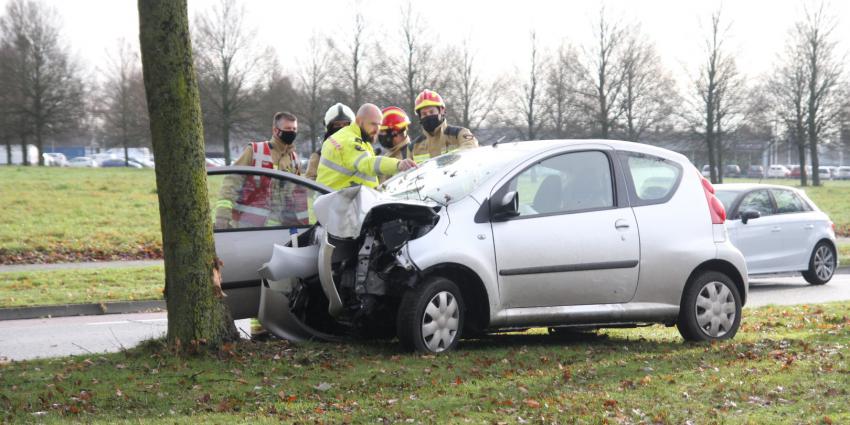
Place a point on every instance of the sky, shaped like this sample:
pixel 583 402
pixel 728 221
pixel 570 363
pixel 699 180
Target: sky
pixel 497 30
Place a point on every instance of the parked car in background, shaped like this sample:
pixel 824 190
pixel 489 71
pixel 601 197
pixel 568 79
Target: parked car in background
pixel 755 172
pixel 121 163
pixel 778 172
pixel 214 162
pixel 842 172
pixel 825 172
pixel 517 235
pixel 82 162
pixel 731 170
pixel 779 229
pixel 706 170
pixel 144 162
pixel 55 160
pixel 795 171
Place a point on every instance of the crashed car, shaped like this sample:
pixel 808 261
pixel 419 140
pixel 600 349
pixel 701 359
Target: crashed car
pixel 580 234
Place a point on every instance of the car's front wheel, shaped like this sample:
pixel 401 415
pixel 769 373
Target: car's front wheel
pixel 821 264
pixel 711 308
pixel 430 316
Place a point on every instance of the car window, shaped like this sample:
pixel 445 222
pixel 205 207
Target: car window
pixel 727 198
pixel 577 181
pixel 758 200
pixel 654 179
pixel 788 202
pixel 248 201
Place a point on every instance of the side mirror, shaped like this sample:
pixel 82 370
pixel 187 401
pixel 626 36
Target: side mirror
pixel 749 215
pixel 505 208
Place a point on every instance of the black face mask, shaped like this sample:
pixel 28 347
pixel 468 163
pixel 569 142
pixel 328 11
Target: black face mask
pixel 431 122
pixel 386 140
pixel 287 137
pixel 365 136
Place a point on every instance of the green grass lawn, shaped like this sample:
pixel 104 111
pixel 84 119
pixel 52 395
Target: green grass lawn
pixel 80 286
pixel 63 214
pixel 787 365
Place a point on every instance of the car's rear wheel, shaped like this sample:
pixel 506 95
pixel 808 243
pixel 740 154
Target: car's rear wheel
pixel 711 308
pixel 821 264
pixel 430 316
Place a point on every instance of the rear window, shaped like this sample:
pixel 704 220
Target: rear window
pixel 654 179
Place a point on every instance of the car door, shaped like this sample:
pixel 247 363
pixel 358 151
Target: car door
pixel 573 242
pixel 253 209
pixel 758 239
pixel 797 238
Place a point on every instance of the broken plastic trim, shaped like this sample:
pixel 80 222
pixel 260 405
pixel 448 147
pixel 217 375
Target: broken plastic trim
pixel 326 277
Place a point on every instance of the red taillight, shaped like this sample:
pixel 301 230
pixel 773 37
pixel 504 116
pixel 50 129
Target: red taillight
pixel 715 207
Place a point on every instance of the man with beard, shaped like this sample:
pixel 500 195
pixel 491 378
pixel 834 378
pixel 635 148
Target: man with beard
pixel 439 137
pixel 348 158
pixel 336 117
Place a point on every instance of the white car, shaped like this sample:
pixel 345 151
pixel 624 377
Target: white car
pixel 55 159
pixel 779 229
pixel 561 234
pixel 778 172
pixel 82 162
pixel 842 172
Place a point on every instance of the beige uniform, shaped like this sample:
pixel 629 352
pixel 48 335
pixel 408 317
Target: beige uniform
pixel 313 165
pixel 446 138
pixel 283 156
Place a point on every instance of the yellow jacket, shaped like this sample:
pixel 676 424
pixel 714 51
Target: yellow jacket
pixel 446 138
pixel 347 160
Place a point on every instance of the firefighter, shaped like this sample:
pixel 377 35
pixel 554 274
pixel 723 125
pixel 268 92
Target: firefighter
pixel 336 117
pixel 348 158
pixel 260 201
pixel 393 137
pixel 439 137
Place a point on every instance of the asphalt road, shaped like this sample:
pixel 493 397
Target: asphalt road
pixel 27 339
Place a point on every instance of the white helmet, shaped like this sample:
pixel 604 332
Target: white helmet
pixel 339 112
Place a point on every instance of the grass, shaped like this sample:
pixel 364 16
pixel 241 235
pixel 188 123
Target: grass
pixel 61 214
pixel 80 286
pixel 786 365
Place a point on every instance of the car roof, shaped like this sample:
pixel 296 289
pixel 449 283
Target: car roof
pixel 535 146
pixel 745 187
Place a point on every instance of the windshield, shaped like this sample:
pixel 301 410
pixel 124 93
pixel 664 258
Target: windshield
pixel 726 197
pixel 450 177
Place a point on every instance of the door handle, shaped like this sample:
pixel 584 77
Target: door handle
pixel 621 224
pixel 776 229
pixel 809 226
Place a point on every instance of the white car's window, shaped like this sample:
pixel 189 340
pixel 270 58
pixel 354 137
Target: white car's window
pixel 571 182
pixel 654 178
pixel 246 201
pixel 759 201
pixel 788 202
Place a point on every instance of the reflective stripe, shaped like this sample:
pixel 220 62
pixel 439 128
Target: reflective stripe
pixel 377 166
pixel 342 170
pixel 224 203
pixel 271 222
pixel 360 158
pixel 252 210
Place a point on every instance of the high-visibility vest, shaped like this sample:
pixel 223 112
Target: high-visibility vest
pixel 348 160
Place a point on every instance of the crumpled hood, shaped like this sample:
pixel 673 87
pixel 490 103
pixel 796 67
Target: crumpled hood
pixel 344 213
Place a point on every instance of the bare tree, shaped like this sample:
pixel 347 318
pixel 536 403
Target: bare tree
pixel 787 87
pixel 357 63
pixel 473 98
pixel 729 109
pixel 122 105
pixel 45 78
pixel 313 78
pixel 227 64
pixel 529 98
pixel 603 73
pixel 716 67
pixel 823 67
pixel 648 95
pixel 562 98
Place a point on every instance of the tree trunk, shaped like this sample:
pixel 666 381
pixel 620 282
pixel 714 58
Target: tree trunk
pixel 719 143
pixel 8 151
pixel 25 159
pixel 801 152
pixel 195 315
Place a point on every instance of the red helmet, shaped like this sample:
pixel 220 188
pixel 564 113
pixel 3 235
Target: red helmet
pixel 394 119
pixel 428 98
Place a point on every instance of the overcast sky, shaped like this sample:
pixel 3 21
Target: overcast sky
pixel 498 30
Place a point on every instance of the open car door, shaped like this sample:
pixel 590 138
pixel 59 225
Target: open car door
pixel 254 208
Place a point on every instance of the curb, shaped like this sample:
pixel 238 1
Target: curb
pixel 119 307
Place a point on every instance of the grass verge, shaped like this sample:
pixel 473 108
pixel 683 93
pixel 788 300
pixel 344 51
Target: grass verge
pixel 80 286
pixel 787 365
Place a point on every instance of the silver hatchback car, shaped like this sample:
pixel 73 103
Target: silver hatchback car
pixel 578 234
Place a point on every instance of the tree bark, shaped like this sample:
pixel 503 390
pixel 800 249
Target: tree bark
pixel 195 315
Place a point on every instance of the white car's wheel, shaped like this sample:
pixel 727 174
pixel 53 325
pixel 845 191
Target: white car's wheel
pixel 430 316
pixel 821 264
pixel 711 308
